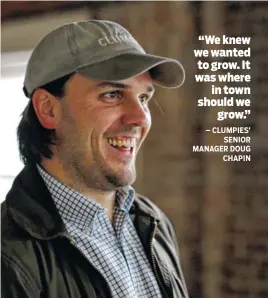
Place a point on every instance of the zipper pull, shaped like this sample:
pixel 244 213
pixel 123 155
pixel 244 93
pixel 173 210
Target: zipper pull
pixel 154 230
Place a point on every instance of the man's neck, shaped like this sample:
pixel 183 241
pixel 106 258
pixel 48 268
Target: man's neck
pixel 105 198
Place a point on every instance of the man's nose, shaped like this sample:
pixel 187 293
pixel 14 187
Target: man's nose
pixel 136 113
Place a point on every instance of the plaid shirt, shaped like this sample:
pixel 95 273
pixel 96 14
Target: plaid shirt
pixel 114 249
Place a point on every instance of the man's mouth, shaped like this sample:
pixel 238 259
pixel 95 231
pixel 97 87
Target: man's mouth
pixel 124 144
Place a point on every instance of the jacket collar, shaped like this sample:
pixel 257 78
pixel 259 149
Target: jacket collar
pixel 31 206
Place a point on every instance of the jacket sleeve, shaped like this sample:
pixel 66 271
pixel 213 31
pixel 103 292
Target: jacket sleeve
pixel 15 283
pixel 174 238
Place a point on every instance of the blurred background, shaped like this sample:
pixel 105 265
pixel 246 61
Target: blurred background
pixel 219 210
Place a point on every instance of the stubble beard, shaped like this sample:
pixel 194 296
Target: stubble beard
pixel 95 174
pixel 85 171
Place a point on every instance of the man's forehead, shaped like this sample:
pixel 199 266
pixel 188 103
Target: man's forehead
pixel 143 80
pixel 106 84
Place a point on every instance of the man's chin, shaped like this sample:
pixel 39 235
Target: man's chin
pixel 121 179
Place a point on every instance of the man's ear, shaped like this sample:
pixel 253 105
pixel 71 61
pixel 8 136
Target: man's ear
pixel 47 108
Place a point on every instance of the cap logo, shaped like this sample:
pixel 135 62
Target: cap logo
pixel 107 40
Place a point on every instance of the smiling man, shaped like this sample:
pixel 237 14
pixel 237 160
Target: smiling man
pixel 72 225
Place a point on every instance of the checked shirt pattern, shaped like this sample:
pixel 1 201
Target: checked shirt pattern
pixel 113 248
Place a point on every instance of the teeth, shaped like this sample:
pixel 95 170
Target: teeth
pixel 130 142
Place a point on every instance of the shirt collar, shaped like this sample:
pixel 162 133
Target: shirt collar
pixel 77 208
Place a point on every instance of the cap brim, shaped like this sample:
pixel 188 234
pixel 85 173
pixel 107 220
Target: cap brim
pixel 165 72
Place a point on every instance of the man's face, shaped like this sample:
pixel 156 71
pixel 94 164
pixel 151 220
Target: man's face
pixel 101 128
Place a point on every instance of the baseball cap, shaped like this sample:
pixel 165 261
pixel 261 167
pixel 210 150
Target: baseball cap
pixel 100 50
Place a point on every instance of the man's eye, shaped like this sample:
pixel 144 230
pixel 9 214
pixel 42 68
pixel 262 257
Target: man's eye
pixel 144 98
pixel 112 95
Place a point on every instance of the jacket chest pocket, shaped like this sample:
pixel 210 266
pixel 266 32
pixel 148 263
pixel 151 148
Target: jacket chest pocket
pixel 169 267
pixel 172 281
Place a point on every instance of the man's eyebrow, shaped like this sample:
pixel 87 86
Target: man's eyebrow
pixel 150 88
pixel 108 84
pixel 113 85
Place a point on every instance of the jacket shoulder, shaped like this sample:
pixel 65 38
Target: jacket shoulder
pixel 150 207
pixel 16 281
pixel 147 206
pixel 16 255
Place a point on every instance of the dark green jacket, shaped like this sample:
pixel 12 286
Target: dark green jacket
pixel 39 259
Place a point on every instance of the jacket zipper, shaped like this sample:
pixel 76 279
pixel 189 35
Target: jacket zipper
pixel 160 283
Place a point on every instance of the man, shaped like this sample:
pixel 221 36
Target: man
pixel 72 226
